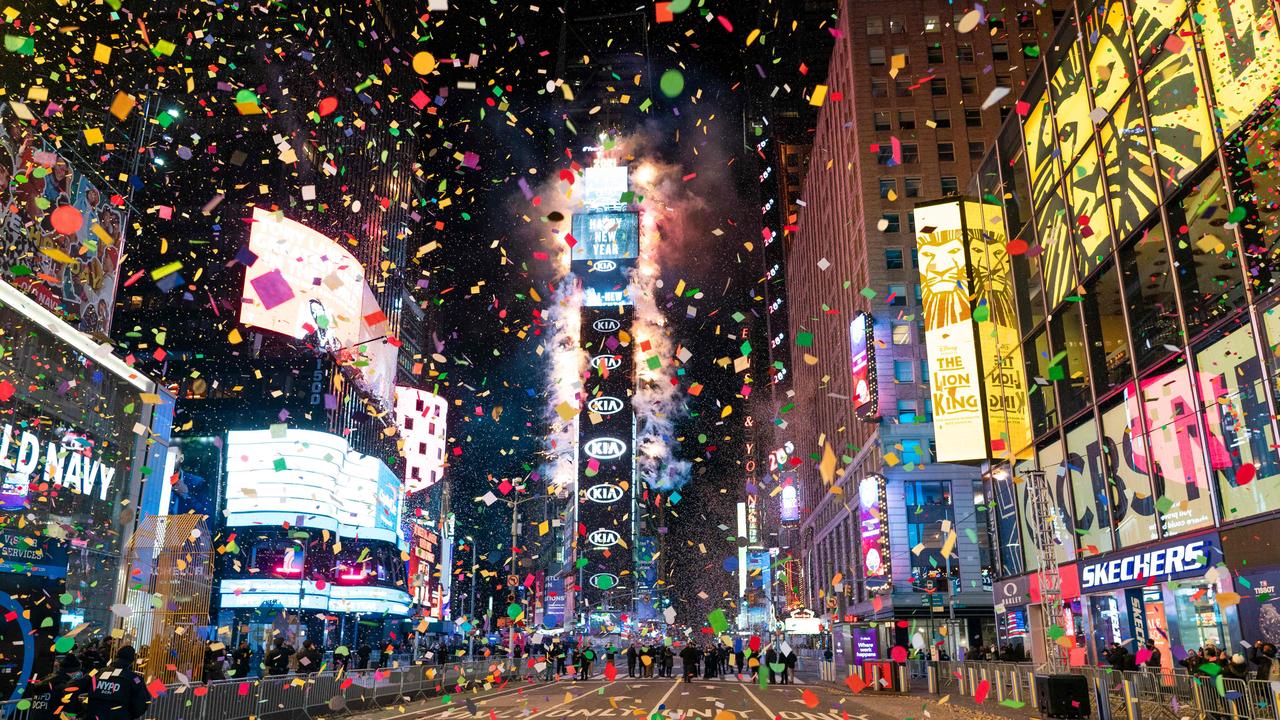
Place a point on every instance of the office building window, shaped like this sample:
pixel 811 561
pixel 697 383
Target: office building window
pixel 999 51
pixel 949 185
pixel 1004 81
pixel 915 257
pixel 876 55
pixel 932 24
pixel 875 25
pixel 1057 16
pixel 924 370
pixel 907 119
pixel 1026 20
pixel 891 222
pixel 879 87
pixel 884 154
pixel 893 258
pixel 881 120
pixel 1004 113
pixel 964 52
pixel 896 27
pixel 898 293
pixel 910 153
pixel 942 118
pixel 912 186
pixel 976 149
pixel 972 117
pixel 901 332
pixel 946 152
pixel 938 86
pixel 928 506
pixel 904 371
pixel 902 88
pixel 887 186
pixel 907 411
pixel 968 84
pixel 911 222
pixel 933 53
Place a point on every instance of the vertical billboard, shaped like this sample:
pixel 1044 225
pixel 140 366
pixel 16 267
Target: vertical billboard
pixel 605 246
pixel 874 534
pixel 954 374
pixel 605 459
pixel 301 284
pixel 61 234
pixel 1243 51
pixel 975 362
pixel 862 365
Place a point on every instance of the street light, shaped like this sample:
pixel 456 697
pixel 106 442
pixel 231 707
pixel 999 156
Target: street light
pixel 514 504
pixel 471 636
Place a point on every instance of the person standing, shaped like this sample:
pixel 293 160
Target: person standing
pixel 119 693
pixel 241 659
pixel 788 665
pixel 668 660
pixel 310 659
pixel 770 659
pixel 632 656
pixel 689 662
pixel 277 659
pixel 61 694
pixel 1153 658
pixel 584 663
pixel 561 655
pixel 362 656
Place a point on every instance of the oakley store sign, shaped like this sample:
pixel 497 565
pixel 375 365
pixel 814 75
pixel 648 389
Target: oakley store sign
pixel 1173 560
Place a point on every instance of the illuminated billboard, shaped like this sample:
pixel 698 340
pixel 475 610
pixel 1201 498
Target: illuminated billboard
pixel 310 595
pixel 954 374
pixel 790 504
pixel 421 417
pixel 304 285
pixel 1243 51
pixel 975 361
pixel 61 235
pixel 280 475
pixel 862 363
pixel 874 533
pixel 604 185
pixel 605 459
pixel 605 235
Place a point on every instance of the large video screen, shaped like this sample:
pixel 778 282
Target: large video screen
pixel 281 475
pixel 603 235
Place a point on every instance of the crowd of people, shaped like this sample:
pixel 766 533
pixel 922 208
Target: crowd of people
pixel 85 685
pixel 646 660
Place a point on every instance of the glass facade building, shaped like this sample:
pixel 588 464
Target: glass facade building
pixel 1140 192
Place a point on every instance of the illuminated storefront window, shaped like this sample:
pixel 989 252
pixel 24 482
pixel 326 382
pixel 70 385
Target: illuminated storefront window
pixel 1240 437
pixel 1088 488
pixel 1128 486
pixel 928 506
pixel 1175 446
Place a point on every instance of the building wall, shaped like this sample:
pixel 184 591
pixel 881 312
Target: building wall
pixel 837 264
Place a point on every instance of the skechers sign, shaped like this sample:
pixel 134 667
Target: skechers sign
pixel 605 448
pixel 607 325
pixel 604 405
pixel 1178 559
pixel 604 493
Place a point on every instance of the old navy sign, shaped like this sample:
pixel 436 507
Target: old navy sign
pixel 1181 558
pixel 67 466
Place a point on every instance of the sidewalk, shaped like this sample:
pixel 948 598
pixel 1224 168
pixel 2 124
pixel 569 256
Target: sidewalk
pixel 918 702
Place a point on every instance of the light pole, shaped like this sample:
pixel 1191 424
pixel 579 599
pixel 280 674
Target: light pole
pixel 514 503
pixel 471 636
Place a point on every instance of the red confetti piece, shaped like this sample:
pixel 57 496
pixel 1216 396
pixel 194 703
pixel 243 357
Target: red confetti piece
pixel 980 696
pixel 1016 246
pixel 610 672
pixel 1244 475
pixel 6 390
pixel 898 654
pixel 67 220
pixel 810 699
pixel 327 106
pixel 855 684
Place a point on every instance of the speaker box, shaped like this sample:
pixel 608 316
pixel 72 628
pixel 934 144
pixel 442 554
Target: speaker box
pixel 1063 696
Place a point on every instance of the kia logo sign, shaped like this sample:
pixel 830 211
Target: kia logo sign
pixel 607 325
pixel 604 538
pixel 605 448
pixel 604 405
pixel 603 581
pixel 608 362
pixel 604 266
pixel 604 493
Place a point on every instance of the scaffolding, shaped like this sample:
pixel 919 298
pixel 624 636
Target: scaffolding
pixel 1043 518
pixel 169 562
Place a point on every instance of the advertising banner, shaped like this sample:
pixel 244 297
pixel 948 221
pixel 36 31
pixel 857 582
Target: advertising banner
pixel 605 235
pixel 866 644
pixel 862 363
pixel 605 459
pixel 874 533
pixel 61 234
pixel 1172 560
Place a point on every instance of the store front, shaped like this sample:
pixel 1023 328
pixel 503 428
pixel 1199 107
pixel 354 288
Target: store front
pixel 1020 615
pixel 1166 592
pixel 78 428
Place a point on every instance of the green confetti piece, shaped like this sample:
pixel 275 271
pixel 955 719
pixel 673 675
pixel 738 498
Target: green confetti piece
pixel 671 83
pixel 717 621
pixel 20 44
pixel 804 339
pixel 64 644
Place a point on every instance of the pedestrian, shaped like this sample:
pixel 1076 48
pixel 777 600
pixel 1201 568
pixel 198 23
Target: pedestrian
pixel 309 658
pixel 689 662
pixel 584 663
pixel 1152 661
pixel 277 659
pixel 118 692
pixel 1237 668
pixel 214 663
pixel 668 660
pixel 362 656
pixel 632 657
pixel 61 694
pixel 742 659
pixel 240 660
pixel 560 655
pixel 789 660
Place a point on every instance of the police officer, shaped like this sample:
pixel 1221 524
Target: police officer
pixel 60 694
pixel 118 692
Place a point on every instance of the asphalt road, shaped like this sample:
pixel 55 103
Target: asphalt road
pixel 661 698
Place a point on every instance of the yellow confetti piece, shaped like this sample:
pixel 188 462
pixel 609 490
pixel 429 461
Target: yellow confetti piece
pixel 233 337
pixel 56 254
pixel 93 136
pixel 166 270
pixel 122 105
pixel 102 53
pixel 751 37
pixel 819 96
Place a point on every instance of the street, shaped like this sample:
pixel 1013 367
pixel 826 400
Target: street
pixel 673 699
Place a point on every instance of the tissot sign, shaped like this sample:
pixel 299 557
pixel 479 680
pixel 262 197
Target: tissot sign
pixel 1184 557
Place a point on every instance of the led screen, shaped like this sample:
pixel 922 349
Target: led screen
pixel 873 533
pixel 313 479
pixel 604 235
pixel 603 185
pixel 1243 50
pixel 862 361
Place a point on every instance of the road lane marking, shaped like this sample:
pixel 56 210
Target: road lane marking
pixel 596 691
pixel 458 702
pixel 675 684
pixel 769 713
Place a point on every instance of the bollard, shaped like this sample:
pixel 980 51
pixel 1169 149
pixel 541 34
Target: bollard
pixel 875 676
pixel 1016 685
pixel 904 680
pixel 931 673
pixel 1130 699
pixel 999 683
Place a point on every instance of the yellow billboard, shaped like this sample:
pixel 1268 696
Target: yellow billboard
pixel 1243 50
pixel 976 373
